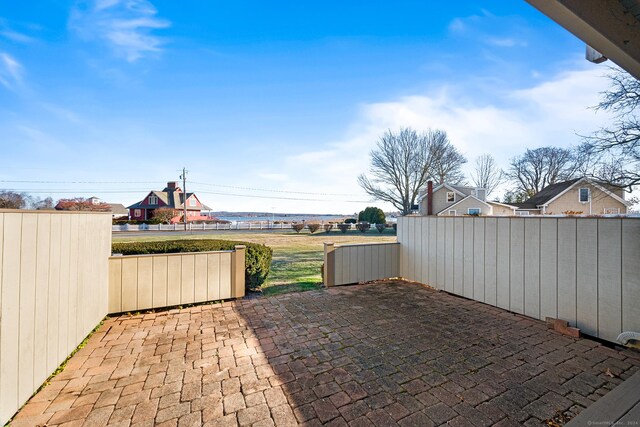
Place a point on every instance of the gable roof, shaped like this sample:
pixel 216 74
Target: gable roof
pixel 461 190
pixel 460 201
pixel 546 194
pixel 172 198
pixel 502 204
pixel 118 209
pixel 553 191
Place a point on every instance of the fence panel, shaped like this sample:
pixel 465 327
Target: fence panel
pixel 348 264
pixel 630 276
pixel 583 270
pixel 53 283
pixel 141 282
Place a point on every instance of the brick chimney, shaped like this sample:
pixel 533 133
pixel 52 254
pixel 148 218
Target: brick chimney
pixel 171 185
pixel 430 198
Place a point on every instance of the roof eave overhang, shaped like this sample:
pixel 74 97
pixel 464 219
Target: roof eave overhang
pixel 608 26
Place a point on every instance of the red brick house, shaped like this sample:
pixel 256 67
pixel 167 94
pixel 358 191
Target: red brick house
pixel 172 197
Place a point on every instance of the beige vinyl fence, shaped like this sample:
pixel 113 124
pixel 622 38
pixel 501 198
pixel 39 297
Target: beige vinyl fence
pixel 140 282
pixel 583 270
pixel 53 292
pixel 346 264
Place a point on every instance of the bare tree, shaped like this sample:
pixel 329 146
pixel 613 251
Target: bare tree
pixel 486 174
pixel 538 168
pixel 44 204
pixel 13 200
pixel 81 204
pixel 615 150
pixel 163 215
pixel 403 162
pixel 447 160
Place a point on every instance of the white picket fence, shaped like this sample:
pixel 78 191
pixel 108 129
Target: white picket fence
pixel 259 225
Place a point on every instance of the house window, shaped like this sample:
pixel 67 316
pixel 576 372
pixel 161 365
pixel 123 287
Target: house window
pixel 153 200
pixel 192 202
pixel 451 196
pixel 452 212
pixel 137 213
pixel 522 213
pixel 584 194
pixel 473 211
pixel 612 211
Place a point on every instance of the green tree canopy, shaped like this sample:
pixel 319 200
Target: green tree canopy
pixel 372 215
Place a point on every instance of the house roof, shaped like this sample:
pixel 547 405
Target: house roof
pixel 553 191
pixel 546 194
pixel 460 189
pixel 460 201
pixel 502 204
pixel 173 198
pixel 118 209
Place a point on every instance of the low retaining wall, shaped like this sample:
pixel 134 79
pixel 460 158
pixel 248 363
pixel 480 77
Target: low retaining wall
pixel 346 264
pixel 142 282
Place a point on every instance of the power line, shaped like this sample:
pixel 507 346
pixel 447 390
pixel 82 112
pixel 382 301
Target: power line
pixel 78 182
pixel 254 196
pixel 283 198
pixel 235 187
pixel 81 190
pixel 274 191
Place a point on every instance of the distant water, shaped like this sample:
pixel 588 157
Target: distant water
pixel 288 218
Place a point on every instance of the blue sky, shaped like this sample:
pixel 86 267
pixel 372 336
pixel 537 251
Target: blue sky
pixel 269 102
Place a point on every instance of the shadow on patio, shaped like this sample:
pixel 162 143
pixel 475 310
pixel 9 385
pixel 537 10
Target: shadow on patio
pixel 384 354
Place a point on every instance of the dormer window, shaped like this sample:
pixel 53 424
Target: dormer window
pixel 153 200
pixel 584 195
pixel 451 196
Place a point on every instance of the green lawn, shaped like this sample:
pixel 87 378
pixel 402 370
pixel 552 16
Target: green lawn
pixel 297 258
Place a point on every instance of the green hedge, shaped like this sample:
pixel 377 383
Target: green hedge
pixel 257 257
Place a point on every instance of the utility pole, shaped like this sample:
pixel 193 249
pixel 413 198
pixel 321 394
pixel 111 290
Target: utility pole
pixel 184 197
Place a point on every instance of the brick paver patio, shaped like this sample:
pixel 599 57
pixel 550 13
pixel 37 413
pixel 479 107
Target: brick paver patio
pixel 381 354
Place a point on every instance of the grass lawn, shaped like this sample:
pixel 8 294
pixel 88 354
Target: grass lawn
pixel 297 258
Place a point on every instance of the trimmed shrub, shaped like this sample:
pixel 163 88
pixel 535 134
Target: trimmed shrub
pixel 344 227
pixel 328 227
pixel 363 226
pixel 313 227
pixel 297 227
pixel 381 227
pixel 257 257
pixel 350 221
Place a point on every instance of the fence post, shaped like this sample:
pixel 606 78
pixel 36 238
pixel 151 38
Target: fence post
pixel 237 272
pixel 329 265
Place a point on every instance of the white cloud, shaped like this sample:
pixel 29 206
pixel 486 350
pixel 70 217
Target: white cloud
pixel 126 26
pixel 280 177
pixel 490 29
pixel 457 25
pixel 13 35
pixel 62 113
pixel 10 71
pixel 505 42
pixel 549 113
pixel 40 142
